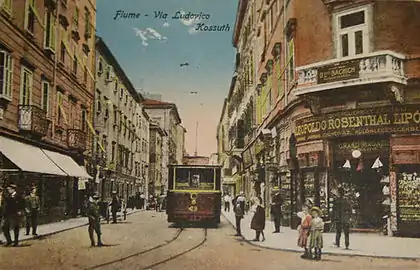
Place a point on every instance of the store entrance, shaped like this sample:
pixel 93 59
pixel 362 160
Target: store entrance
pixel 362 182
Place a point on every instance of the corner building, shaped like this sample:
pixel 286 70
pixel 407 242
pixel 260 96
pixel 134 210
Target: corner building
pixel 357 77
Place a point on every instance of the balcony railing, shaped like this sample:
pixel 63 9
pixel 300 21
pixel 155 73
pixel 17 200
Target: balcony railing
pixel 33 119
pixel 76 139
pixel 378 67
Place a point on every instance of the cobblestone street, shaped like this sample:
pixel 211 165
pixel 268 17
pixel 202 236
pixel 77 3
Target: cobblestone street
pixel 128 242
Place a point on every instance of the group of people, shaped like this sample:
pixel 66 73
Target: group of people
pixel 14 208
pixel 311 227
pixel 258 208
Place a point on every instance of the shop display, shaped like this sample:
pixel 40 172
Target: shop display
pixel 409 197
pixel 323 194
pixel 309 186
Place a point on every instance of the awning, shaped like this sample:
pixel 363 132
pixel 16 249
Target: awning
pixel 67 164
pixel 28 158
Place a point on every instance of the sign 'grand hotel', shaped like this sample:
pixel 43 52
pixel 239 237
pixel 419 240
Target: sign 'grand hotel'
pixel 386 120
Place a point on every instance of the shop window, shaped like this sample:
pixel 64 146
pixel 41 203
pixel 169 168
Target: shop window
pixel 352 32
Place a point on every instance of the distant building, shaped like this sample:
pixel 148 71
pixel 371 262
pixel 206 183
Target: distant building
pixel 213 160
pixel 155 158
pixel 196 160
pixel 152 96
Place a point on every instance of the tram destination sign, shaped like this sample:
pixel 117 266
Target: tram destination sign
pixel 372 121
pixel 339 72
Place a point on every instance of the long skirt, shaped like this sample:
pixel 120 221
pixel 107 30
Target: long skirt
pixel 303 238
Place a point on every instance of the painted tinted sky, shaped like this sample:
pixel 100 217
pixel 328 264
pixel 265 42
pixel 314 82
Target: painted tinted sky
pixel 152 61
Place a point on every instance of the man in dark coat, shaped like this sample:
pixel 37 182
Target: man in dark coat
pixel 276 210
pixel 13 208
pixel 239 209
pixel 94 220
pixel 115 206
pixel 342 211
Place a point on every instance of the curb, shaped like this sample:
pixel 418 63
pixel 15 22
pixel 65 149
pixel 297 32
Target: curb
pixel 291 250
pixel 41 236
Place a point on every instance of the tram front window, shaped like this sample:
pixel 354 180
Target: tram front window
pixel 188 178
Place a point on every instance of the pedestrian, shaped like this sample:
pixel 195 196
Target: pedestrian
pixel 258 220
pixel 276 210
pixel 317 229
pixel 94 218
pixel 227 200
pixel 342 212
pixel 239 209
pixel 304 230
pixel 115 206
pixel 142 201
pixel 14 205
pixel 32 211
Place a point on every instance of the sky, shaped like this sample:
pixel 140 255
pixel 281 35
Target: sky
pixel 151 50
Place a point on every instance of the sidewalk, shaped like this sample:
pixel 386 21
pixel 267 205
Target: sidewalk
pixel 370 245
pixel 57 227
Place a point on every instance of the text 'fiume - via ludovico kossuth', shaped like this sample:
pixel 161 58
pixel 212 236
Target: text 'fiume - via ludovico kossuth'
pixel 197 20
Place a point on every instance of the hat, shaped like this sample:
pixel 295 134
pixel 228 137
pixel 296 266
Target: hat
pixel 11 185
pixel 95 196
pixel 114 192
pixel 315 208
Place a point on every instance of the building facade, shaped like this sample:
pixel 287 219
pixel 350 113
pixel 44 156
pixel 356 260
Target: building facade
pixel 47 60
pixel 180 143
pixel 165 115
pixel 121 128
pixel 343 78
pixel 156 160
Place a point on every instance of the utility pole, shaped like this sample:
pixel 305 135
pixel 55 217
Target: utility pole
pixel 196 139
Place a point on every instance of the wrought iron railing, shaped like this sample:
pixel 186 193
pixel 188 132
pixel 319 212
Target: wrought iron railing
pixel 76 139
pixel 33 119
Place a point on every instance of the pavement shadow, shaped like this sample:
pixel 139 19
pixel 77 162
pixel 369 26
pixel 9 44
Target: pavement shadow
pixel 104 246
pixel 21 245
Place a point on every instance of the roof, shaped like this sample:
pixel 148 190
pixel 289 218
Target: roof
pixel 106 52
pixel 240 13
pixel 157 104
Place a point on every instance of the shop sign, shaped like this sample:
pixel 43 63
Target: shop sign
pixel 247 158
pixel 409 198
pixel 339 72
pixel 371 121
pixel 366 146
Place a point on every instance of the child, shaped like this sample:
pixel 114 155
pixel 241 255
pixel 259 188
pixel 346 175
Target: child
pixel 317 228
pixel 304 229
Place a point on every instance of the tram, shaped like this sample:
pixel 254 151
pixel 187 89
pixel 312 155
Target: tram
pixel 194 194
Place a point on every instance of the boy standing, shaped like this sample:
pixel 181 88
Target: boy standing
pixel 317 228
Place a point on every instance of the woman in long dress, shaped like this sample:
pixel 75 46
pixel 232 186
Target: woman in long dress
pixel 258 220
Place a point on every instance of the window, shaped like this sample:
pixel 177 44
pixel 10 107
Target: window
pixel 84 119
pixel 85 69
pixel 75 59
pixel 100 66
pixel 115 115
pixel 88 31
pixel 26 86
pixel 7 5
pixel 31 14
pixel 49 32
pixel 116 86
pixel 60 115
pixel 113 151
pixel 352 33
pixel 62 53
pixel 6 74
pixel 108 74
pixel 76 19
pixel 291 60
pixel 45 103
pixel 121 93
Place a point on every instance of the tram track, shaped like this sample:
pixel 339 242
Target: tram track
pixel 157 249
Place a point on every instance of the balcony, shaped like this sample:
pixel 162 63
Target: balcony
pixel 33 119
pixel 76 139
pixel 378 67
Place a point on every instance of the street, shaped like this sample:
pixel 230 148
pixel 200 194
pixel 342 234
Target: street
pixel 145 241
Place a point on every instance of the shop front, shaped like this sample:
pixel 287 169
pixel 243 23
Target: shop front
pixel 374 154
pixel 54 174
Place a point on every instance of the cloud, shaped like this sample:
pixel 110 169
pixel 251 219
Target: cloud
pixel 192 31
pixel 166 24
pixel 147 34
